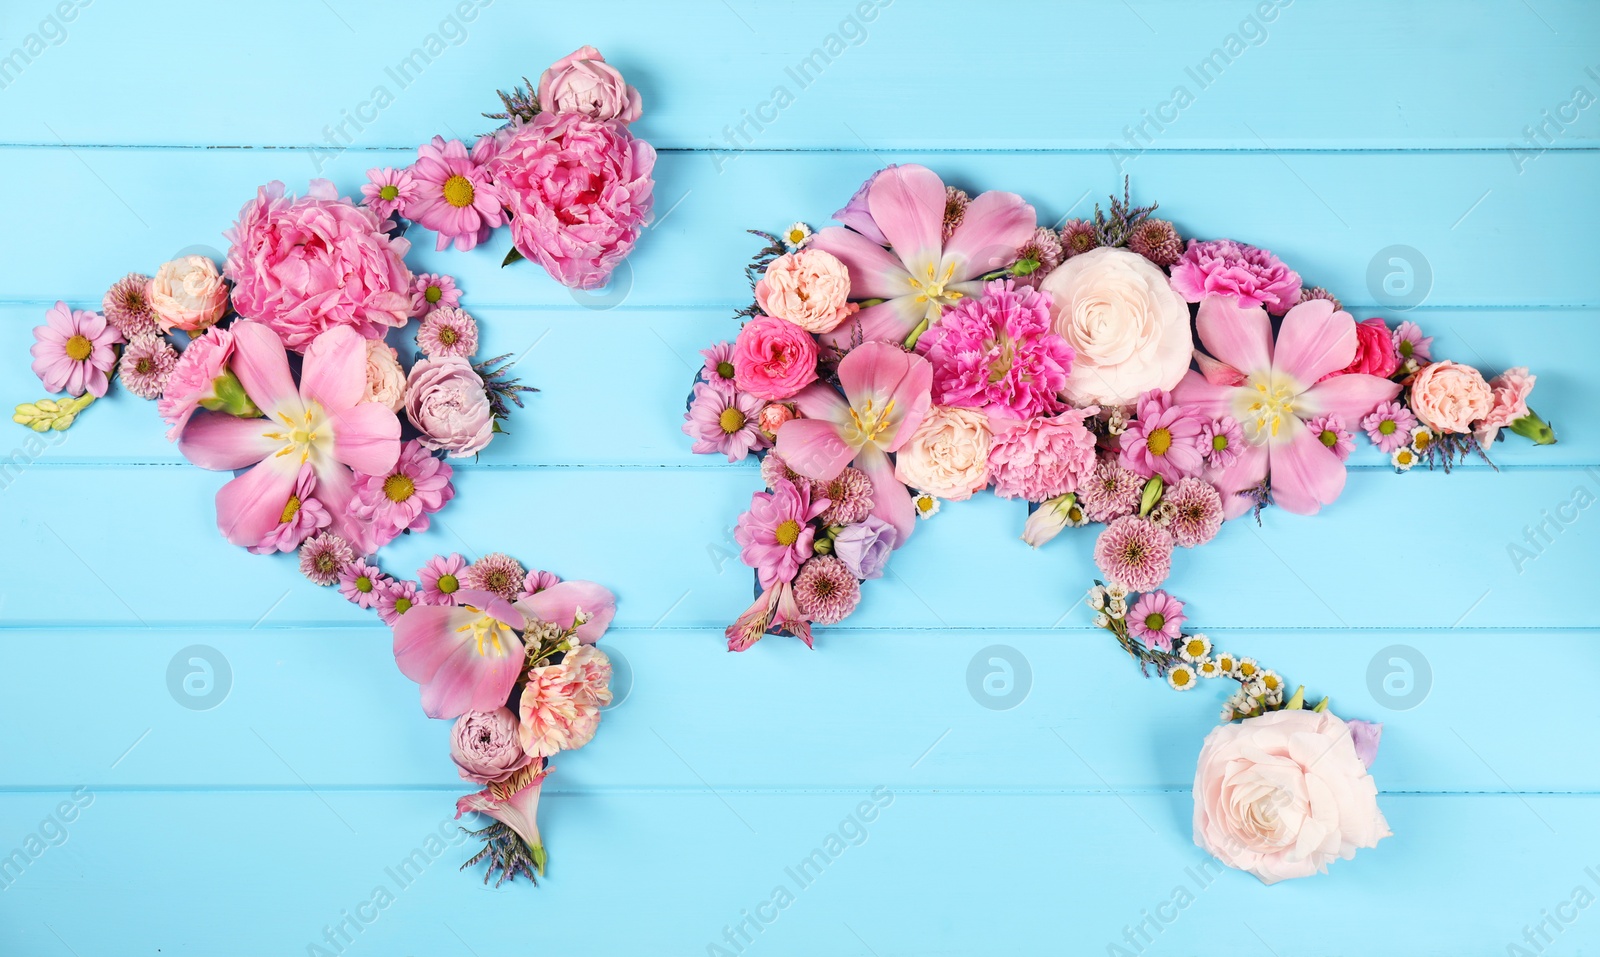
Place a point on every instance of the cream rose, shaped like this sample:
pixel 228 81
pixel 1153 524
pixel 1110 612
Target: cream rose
pixel 948 454
pixel 1128 327
pixel 386 381
pixel 1449 397
pixel 1284 794
pixel 808 288
pixel 187 294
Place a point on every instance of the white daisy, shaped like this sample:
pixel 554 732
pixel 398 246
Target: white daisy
pixel 1181 677
pixel 797 235
pixel 1195 647
pixel 926 505
pixel 1403 458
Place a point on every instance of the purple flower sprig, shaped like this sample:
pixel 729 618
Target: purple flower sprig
pixel 1115 228
pixel 507 854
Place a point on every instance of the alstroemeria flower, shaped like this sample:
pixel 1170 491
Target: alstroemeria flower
pixel 1273 390
pixel 468 656
pixel 887 392
pixel 323 423
pixel 919 274
pixel 514 803
pixel 774 609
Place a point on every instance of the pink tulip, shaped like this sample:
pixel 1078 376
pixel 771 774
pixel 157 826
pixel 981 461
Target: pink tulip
pixel 887 391
pixel 323 423
pixel 1272 391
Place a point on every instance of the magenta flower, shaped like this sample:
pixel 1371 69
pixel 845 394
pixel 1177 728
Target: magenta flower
pixel 920 273
pixel 388 190
pixel 1222 267
pixel 723 422
pixel 536 581
pixel 1156 619
pixel 362 584
pixel 1134 552
pixel 303 516
pixel 1272 389
pixel 430 290
pixel 997 352
pixel 886 395
pixel 776 533
pixel 456 196
pixel 1164 439
pixel 193 378
pixel 718 369
pixel 441 579
pixel 1110 491
pixel 1330 431
pixel 403 498
pixel 322 423
pixel 74 350
pixel 399 596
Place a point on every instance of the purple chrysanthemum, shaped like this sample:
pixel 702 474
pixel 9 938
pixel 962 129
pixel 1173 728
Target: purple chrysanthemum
pixel 723 422
pixel 440 579
pixel 1389 426
pixel 1194 508
pixel 363 584
pixel 127 307
pixel 825 590
pixel 1078 237
pixel 849 498
pixel 448 331
pixel 146 363
pixel 1330 431
pixel 718 367
pixel 1156 619
pixel 399 596
pixel 1134 552
pixel 430 290
pixel 1222 441
pixel 997 351
pixel 495 572
pixel 323 557
pixel 1111 491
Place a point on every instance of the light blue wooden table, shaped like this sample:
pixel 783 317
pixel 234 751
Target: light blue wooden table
pixel 1329 133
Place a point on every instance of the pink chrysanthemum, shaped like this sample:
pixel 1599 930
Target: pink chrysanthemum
pixel 997 352
pixel 1309 293
pixel 1222 441
pixel 1156 619
pixel 1410 343
pixel 1043 248
pixel 441 579
pixel 723 422
pixel 1134 552
pixel 399 596
pixel 1194 508
pixel 127 307
pixel 1389 426
pixel 324 557
pixel 1251 276
pixel 956 202
pixel 825 590
pixel 495 572
pixel 146 365
pixel 448 331
pixel 1078 237
pixel 1330 431
pixel 402 499
pixel 456 197
pixel 1038 459
pixel 302 517
pixel 536 581
pixel 1164 439
pixel 718 368
pixel 388 190
pixel 363 584
pixel 849 498
pixel 775 535
pixel 774 468
pixel 1110 492
pixel 74 350
pixel 1156 240
pixel 431 291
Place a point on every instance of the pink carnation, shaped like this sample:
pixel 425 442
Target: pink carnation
pixel 997 352
pixel 1040 458
pixel 1223 267
pixel 303 266
pixel 191 380
pixel 773 359
pixel 579 191
pixel 1510 390
pixel 560 705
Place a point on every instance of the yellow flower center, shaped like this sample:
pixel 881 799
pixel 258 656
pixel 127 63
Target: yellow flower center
pixel 447 584
pixel 1195 647
pixel 796 236
pixel 458 191
pixel 398 488
pixel 788 533
pixel 448 336
pixel 494 637
pixel 732 420
pixel 433 294
pixel 1386 427
pixel 1159 441
pixel 290 509
pixel 931 290
pixel 308 438
pixel 1180 677
pixel 1265 405
pixel 1329 438
pixel 1155 620
pixel 869 421
pixel 78 348
pixel 1422 441
pixel 402 605
pixel 389 193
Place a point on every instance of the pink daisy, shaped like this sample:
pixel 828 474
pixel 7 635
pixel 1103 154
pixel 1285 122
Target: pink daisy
pixel 387 190
pixel 1330 431
pixel 429 290
pixel 363 584
pixel 718 368
pixel 849 498
pixel 1164 439
pixel 997 351
pixel 455 196
pixel 399 596
pixel 127 306
pixel 402 500
pixel 825 590
pixel 324 557
pixel 302 517
pixel 1389 426
pixel 1134 552
pixel 1410 343
pixel 146 365
pixel 1111 491
pixel 73 351
pixel 776 532
pixel 1195 510
pixel 537 581
pixel 441 579
pixel 495 572
pixel 1222 440
pixel 1156 619
pixel 448 331
pixel 723 422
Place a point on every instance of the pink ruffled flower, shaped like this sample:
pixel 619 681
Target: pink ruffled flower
pixel 1111 491
pixel 583 82
pixel 1135 553
pixel 724 422
pixel 1038 459
pixel 485 746
pixel 362 584
pixel 1194 510
pixel 718 369
pixel 1330 431
pixel 825 590
pixel 773 358
pixel 447 403
pixel 440 579
pixel 809 288
pixel 536 581
pixel 1511 389
pixel 324 557
pixel 772 416
pixel 388 190
pixel 997 352
pixel 193 378
pixel 559 709
pixel 775 535
pixel 1164 439
pixel 74 351
pixel 579 191
pixel 127 307
pixel 1221 267
pixel 1222 438
pixel 1389 426
pixel 305 266
pixel 773 610
pixel 456 193
pixel 1450 397
pixel 403 498
pixel 431 291
pixel 1410 343
pixel 849 496
pixel 302 517
pixel 399 596
pixel 448 331
pixel 1156 619
pixel 496 573
pixel 1375 352
pixel 147 362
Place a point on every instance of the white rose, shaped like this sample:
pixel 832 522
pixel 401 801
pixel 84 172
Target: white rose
pixel 948 454
pixel 187 294
pixel 386 381
pixel 1128 327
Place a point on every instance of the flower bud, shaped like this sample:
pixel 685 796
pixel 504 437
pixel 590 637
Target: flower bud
pixel 228 396
pixel 1532 427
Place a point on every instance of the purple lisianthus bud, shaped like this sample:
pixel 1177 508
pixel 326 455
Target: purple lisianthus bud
pixel 485 747
pixel 1366 735
pixel 864 548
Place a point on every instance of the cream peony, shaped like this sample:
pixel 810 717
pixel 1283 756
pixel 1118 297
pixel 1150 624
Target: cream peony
pixel 1128 328
pixel 386 381
pixel 948 454
pixel 187 294
pixel 1284 794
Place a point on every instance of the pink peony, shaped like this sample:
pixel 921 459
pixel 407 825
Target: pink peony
pixel 775 535
pixel 484 746
pixel 1222 267
pixel 1450 397
pixel 947 455
pixel 1040 458
pixel 303 266
pixel 583 82
pixel 579 191
pixel 187 294
pixel 773 359
pixel 1134 552
pixel 809 288
pixel 74 351
pixel 1511 389
pixel 446 401
pixel 456 195
pixel 997 352
pixel 1284 794
pixel 1375 353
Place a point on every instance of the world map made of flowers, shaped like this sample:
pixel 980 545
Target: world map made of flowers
pixel 936 344
pixel 281 365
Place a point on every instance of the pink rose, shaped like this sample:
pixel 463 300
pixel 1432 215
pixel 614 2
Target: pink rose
pixel 484 746
pixel 1284 794
pixel 773 358
pixel 579 191
pixel 1375 352
pixel 187 294
pixel 809 288
pixel 1510 389
pixel 948 454
pixel 772 416
pixel 303 266
pixel 1038 459
pixel 386 381
pixel 1449 397
pixel 446 401
pixel 560 704
pixel 583 82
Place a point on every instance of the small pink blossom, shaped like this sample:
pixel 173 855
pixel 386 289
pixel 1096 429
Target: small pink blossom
pixel 1194 509
pixel 1510 389
pixel 1330 431
pixel 448 331
pixel 718 368
pixel 456 194
pixel 776 533
pixel 363 584
pixel 302 517
pixel 1164 439
pixel 74 351
pixel 1221 440
pixel 440 579
pixel 1135 553
pixel 193 377
pixel 430 291
pixel 724 422
pixel 1410 343
pixel 399 596
pixel 1156 619
pixel 388 190
pixel 403 498
pixel 1389 426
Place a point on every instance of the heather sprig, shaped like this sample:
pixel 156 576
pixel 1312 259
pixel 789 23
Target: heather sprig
pixel 1113 229
pixel 520 104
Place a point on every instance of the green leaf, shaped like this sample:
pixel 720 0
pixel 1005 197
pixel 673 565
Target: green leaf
pixel 513 256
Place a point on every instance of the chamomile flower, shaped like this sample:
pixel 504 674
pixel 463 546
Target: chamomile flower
pixel 1421 439
pixel 1272 683
pixel 1226 663
pixel 1097 597
pixel 797 235
pixel 1403 459
pixel 1208 668
pixel 1181 677
pixel 1194 647
pixel 1246 669
pixel 1101 621
pixel 1076 516
pixel 1254 690
pixel 926 505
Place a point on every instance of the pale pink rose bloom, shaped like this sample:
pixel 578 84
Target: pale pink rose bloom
pixel 772 416
pixel 810 288
pixel 1450 397
pixel 948 454
pixel 446 401
pixel 1511 389
pixel 583 82
pixel 1285 794
pixel 187 294
pixel 386 381
pixel 484 746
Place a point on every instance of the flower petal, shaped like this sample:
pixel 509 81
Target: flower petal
pixel 335 370
pixel 249 506
pixel 1306 474
pixel 875 272
pixel 216 440
pixel 469 681
pixel 424 637
pixel 995 226
pixel 1314 340
pixel 891 500
pixel 1242 338
pixel 814 448
pixel 262 365
pixel 560 603
pixel 819 401
pixel 889 321
pixel 1196 392
pixel 1350 396
pixel 907 203
pixel 336 490
pixel 366 437
pixel 894 379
